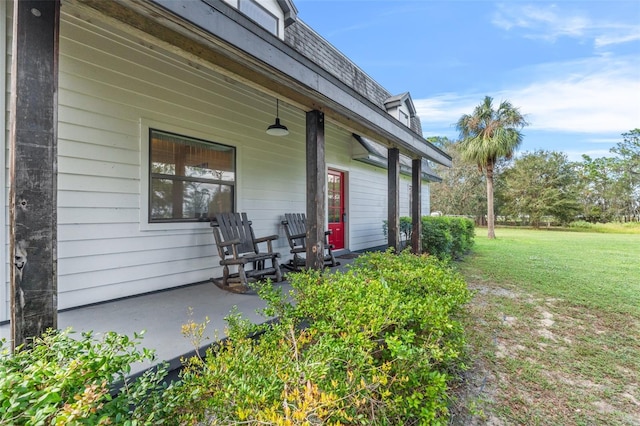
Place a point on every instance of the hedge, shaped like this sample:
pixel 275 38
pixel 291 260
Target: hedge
pixel 447 237
pixel 62 379
pixel 376 345
pixel 442 236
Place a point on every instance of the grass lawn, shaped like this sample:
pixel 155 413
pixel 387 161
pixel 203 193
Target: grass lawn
pixel 554 328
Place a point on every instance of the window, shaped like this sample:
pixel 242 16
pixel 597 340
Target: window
pixel 189 179
pixel 403 117
pixel 262 16
pixel 334 192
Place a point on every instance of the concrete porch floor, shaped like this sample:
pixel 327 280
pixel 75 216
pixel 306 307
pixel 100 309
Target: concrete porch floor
pixel 162 315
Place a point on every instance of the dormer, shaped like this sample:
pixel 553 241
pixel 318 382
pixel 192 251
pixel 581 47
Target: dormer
pixel 272 15
pixel 401 107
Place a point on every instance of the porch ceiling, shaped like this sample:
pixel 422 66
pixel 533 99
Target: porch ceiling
pixel 216 33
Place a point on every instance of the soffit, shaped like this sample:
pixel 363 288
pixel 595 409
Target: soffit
pixel 370 152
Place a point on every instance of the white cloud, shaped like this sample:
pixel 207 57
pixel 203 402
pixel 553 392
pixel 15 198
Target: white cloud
pixel 593 96
pixel 623 34
pixel 607 141
pixel 603 98
pixel 549 22
pixel 576 155
pixel 546 22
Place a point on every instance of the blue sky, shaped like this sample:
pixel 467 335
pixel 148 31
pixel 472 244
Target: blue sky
pixel 572 67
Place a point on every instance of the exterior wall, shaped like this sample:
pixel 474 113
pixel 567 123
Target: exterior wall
pixel 111 86
pixel 5 59
pixel 368 203
pixel 426 199
pixel 367 194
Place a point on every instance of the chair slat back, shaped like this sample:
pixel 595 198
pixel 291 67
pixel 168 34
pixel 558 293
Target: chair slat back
pixel 236 226
pixel 297 224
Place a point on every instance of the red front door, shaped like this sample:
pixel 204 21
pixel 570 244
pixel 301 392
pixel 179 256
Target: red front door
pixel 337 212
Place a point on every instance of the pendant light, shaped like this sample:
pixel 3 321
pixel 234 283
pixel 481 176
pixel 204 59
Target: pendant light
pixel 277 129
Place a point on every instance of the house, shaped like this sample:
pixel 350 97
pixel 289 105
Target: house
pixel 130 122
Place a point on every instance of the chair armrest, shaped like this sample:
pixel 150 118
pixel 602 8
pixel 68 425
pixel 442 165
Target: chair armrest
pixel 265 239
pixel 296 236
pixel 229 242
pixel 234 248
pixel 268 239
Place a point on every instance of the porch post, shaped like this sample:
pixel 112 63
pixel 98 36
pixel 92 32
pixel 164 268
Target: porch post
pixel 416 207
pixel 33 168
pixel 393 209
pixel 316 189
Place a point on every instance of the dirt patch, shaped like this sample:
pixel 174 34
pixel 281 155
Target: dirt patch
pixel 545 323
pixel 477 385
pixel 500 292
pixel 540 361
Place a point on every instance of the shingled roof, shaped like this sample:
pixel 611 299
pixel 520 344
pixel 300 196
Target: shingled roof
pixel 313 46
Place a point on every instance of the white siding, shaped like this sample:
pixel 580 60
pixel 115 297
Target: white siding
pixel 112 83
pixel 368 205
pixel 426 199
pixel 5 27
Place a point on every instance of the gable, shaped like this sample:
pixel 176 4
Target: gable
pixel 401 107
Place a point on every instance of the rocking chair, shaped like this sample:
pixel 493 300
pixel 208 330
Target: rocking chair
pixel 295 227
pixel 238 246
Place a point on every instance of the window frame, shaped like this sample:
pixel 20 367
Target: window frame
pixel 257 6
pixel 145 223
pixel 404 117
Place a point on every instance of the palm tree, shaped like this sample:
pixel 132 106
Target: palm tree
pixel 488 135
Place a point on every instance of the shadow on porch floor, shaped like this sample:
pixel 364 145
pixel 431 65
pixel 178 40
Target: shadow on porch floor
pixel 162 314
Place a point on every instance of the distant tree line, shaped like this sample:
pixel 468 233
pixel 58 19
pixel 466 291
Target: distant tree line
pixel 543 187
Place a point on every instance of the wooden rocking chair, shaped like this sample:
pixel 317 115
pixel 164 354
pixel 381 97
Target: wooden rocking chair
pixel 238 246
pixel 295 227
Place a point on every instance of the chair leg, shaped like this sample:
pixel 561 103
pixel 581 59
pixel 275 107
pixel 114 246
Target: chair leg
pixel 225 276
pixel 276 266
pixel 242 276
pixel 329 258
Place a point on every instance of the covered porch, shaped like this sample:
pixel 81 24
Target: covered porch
pixel 161 315
pixel 122 72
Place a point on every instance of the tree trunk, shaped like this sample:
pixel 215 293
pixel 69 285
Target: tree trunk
pixel 491 234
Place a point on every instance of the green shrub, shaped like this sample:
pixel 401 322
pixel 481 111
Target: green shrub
pixel 442 236
pixel 59 380
pixel 447 237
pixel 581 224
pixel 376 345
pixel 406 227
pixel 606 228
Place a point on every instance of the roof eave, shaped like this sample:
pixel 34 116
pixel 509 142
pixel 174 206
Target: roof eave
pixel 213 28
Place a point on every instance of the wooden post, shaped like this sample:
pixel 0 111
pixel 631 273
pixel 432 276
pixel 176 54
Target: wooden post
pixel 33 164
pixel 316 189
pixel 393 188
pixel 416 207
